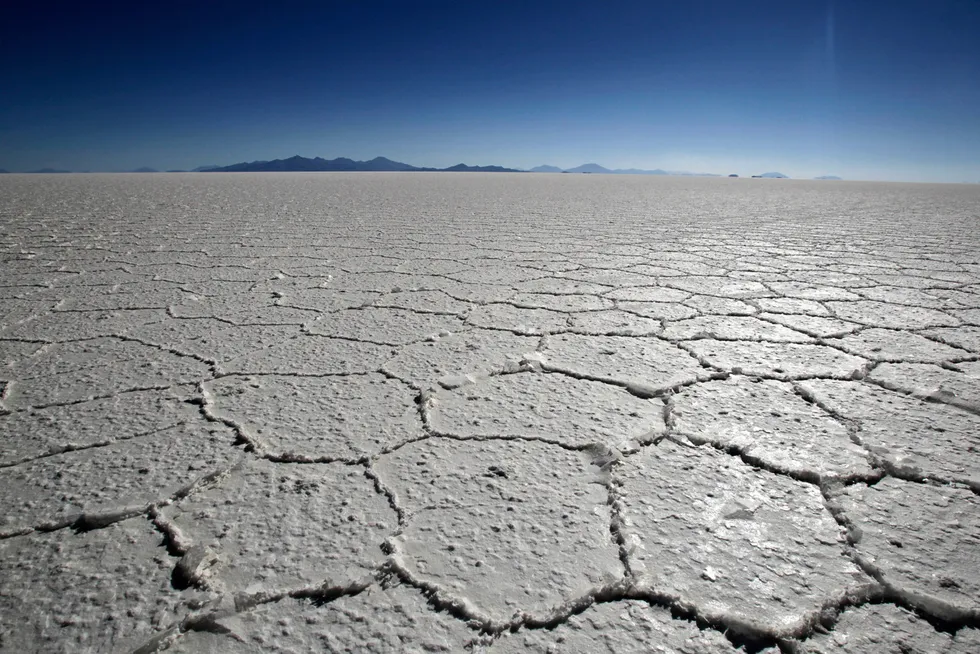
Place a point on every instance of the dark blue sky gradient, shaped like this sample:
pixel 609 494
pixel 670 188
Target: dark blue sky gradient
pixel 862 89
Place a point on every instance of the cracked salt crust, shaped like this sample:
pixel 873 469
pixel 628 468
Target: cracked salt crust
pixel 376 621
pixel 958 384
pixel 257 522
pixel 891 345
pixel 211 339
pixel 266 411
pixel 921 540
pixel 908 437
pixel 891 316
pixel 233 310
pixel 747 547
pixel 310 354
pixel 385 326
pixel 732 328
pixel 520 320
pixel 470 354
pixel 719 286
pixel 966 337
pixel 776 360
pixel 77 371
pixel 815 326
pixel 325 299
pixel 658 310
pixel 645 366
pixel 565 302
pixel 792 306
pixel 423 302
pixel 296 418
pixel 62 428
pixel 76 325
pixel 708 305
pixel 98 591
pixel 127 297
pixel 125 475
pixel 549 406
pixel 613 323
pixel 879 628
pixel 623 627
pixel 501 527
pixel 562 286
pixel 768 423
pixel 807 291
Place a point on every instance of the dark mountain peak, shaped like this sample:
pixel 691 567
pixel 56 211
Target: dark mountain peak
pixel 463 168
pixel 589 168
pixel 341 164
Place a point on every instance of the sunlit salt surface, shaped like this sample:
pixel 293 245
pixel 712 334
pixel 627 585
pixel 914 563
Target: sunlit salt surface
pixel 503 412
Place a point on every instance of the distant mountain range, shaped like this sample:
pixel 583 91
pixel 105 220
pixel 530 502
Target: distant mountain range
pixel 595 168
pixel 300 164
pixel 4 172
pixel 343 164
pixel 383 164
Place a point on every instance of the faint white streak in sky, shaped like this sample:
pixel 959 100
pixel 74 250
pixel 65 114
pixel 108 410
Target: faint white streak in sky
pixel 831 44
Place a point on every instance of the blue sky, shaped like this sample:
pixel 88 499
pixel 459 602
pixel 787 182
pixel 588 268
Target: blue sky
pixel 859 88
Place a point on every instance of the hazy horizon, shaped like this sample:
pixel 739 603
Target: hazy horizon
pixel 863 90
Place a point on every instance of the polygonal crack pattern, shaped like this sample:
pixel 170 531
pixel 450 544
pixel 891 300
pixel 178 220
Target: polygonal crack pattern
pixel 906 436
pixel 502 528
pixel 487 413
pixel 920 540
pixel 735 544
pixel 546 406
pixel 376 621
pixel 628 627
pixel 103 590
pixel 257 542
pixel 770 426
pixel 319 418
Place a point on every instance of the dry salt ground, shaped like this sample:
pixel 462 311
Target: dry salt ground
pixel 488 413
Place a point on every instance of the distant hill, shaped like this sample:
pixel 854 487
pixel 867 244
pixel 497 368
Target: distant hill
pixel 463 168
pixel 202 169
pixel 4 172
pixel 602 170
pixel 144 169
pixel 176 171
pixel 343 164
pixel 772 176
pixel 384 164
pixel 834 177
pixel 590 168
pixel 45 171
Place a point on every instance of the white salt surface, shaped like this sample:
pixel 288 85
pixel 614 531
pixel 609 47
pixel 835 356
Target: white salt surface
pixel 437 412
